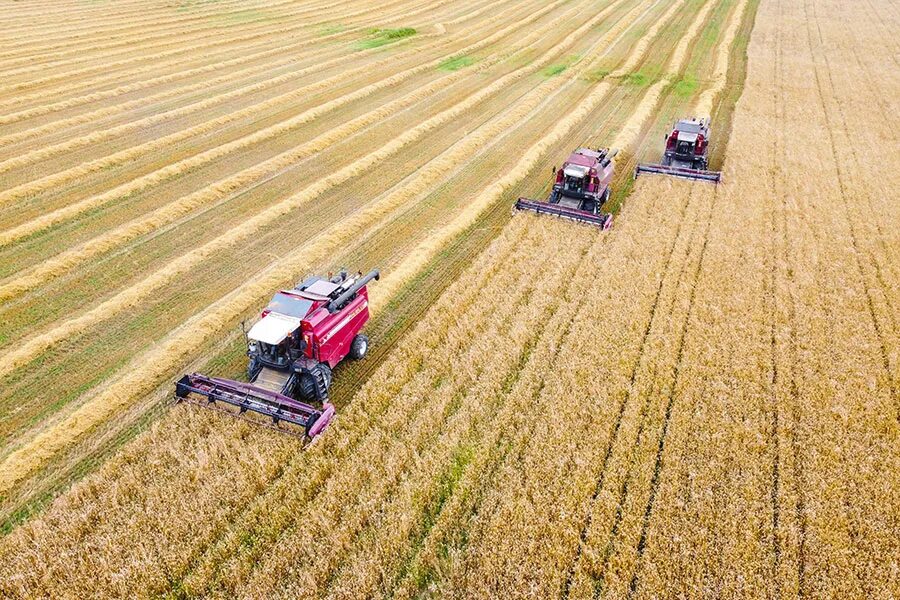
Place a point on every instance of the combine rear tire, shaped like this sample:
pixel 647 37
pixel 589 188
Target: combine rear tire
pixel 359 347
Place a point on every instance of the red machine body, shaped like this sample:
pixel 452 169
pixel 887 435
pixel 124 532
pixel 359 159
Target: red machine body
pixel 302 334
pixel 686 154
pixel 580 188
pixel 328 336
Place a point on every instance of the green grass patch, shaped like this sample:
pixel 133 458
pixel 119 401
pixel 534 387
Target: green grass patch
pixel 375 38
pixel 556 69
pixel 685 87
pixel 636 79
pixel 455 63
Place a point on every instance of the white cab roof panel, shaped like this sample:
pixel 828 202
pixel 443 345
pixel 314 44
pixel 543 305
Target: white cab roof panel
pixel 273 328
pixel 576 171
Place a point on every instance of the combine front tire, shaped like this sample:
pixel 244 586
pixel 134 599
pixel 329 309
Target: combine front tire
pixel 314 384
pixel 307 387
pixel 359 347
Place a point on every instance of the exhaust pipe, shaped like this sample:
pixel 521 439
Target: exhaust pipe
pixel 335 304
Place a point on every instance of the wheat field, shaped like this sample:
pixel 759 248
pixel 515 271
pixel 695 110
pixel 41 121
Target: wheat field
pixel 700 402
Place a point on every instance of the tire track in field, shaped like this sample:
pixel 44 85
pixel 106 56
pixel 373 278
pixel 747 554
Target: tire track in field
pixel 787 272
pixel 839 122
pixel 775 256
pixel 885 260
pixel 786 350
pixel 165 357
pixel 657 469
pixel 613 437
pixel 56 266
pixel 707 99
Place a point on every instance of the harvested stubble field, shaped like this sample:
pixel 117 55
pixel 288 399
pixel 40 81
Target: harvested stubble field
pixel 702 401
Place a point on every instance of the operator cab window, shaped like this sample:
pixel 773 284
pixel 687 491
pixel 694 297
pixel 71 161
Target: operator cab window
pixel 289 306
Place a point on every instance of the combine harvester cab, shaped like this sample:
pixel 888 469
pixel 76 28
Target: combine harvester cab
pixel 687 153
pixel 580 189
pixel 301 336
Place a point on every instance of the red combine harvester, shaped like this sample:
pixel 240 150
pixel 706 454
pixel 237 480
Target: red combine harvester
pixel 302 335
pixel 580 189
pixel 686 154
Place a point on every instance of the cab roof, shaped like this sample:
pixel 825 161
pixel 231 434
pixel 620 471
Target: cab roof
pixel 584 157
pixel 290 305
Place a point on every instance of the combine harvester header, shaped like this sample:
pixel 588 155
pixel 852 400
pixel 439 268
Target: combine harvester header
pixel 580 189
pixel 687 153
pixel 302 335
